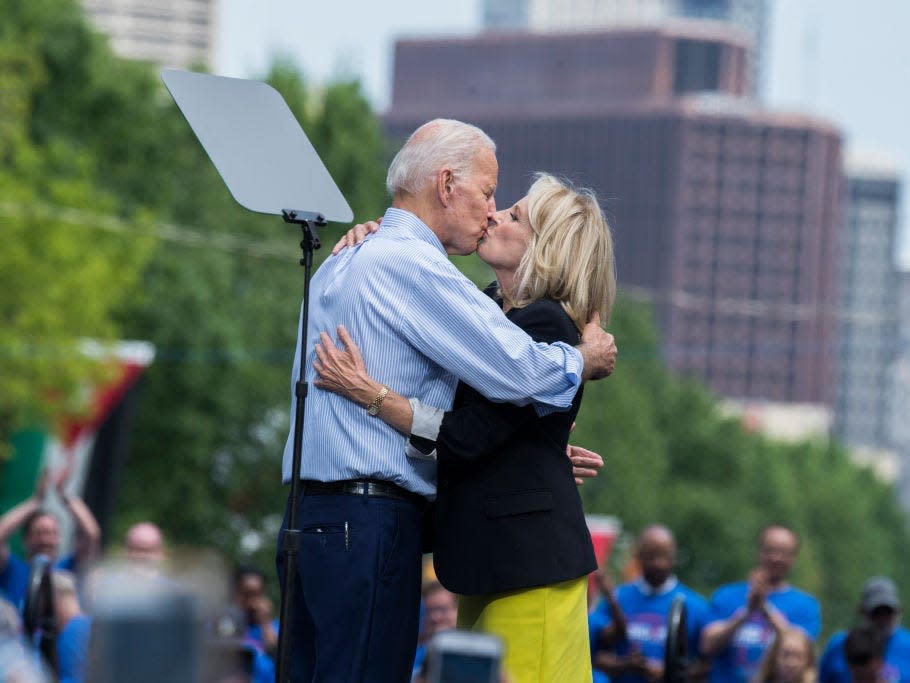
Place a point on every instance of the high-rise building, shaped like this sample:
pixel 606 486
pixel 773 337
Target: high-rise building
pixel 726 215
pixel 869 329
pixel 172 33
pixel 901 403
pixel 750 17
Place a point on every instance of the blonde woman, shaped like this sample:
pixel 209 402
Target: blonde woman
pixel 790 659
pixel 510 533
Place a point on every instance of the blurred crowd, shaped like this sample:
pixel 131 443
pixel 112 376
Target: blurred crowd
pixel 761 629
pixel 72 617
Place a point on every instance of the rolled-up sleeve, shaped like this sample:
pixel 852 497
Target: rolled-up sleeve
pixel 458 327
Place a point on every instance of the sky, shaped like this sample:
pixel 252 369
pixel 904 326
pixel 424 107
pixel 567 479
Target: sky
pixel 844 61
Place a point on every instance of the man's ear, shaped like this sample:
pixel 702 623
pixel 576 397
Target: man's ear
pixel 445 186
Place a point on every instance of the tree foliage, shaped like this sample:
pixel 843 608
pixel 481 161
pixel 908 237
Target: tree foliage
pixel 64 273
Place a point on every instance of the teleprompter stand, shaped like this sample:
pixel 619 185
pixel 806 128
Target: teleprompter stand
pixel 268 164
pixel 291 539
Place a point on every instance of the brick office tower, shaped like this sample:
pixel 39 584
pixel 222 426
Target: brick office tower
pixel 727 214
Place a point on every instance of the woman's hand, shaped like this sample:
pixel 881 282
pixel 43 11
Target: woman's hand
pixel 342 371
pixel 585 463
pixel 357 234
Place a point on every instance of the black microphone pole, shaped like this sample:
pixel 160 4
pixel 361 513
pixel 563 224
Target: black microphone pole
pixel 290 544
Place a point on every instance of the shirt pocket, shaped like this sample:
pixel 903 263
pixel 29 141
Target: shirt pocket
pixel 520 503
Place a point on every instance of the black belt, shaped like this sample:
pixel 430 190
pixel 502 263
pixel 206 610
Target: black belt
pixel 366 487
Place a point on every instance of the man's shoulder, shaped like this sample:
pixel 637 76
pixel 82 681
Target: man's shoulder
pixel 692 596
pixel 628 591
pixel 730 591
pixel 798 596
pixel 836 641
pixel 402 255
pixel 15 566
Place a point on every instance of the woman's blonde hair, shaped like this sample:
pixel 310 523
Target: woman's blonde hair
pixel 767 672
pixel 570 255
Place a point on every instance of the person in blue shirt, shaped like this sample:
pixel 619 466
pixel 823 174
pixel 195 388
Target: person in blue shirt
pixel 637 655
pixel 747 615
pixel 41 535
pixel 880 611
pixel 73 628
pixel 261 627
pixel 440 610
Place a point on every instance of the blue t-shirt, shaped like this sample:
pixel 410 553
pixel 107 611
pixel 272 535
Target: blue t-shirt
pixel 14 580
pixel 833 667
pixel 72 649
pixel 263 664
pixel 741 658
pixel 646 622
pixel 14 577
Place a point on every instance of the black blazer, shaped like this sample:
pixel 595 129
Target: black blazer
pixel 508 512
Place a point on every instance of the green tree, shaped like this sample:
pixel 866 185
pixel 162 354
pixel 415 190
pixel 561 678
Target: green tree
pixel 63 273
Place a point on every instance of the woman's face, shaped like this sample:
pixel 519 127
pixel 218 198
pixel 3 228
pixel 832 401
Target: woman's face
pixel 507 240
pixel 792 658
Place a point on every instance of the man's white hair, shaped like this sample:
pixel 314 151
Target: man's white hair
pixel 437 144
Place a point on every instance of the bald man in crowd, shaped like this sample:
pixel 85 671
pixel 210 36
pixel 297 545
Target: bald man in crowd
pixel 638 655
pixel 144 545
pixel 747 615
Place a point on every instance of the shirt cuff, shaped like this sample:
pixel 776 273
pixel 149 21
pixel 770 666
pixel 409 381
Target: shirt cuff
pixel 425 427
pixel 426 420
pixel 574 366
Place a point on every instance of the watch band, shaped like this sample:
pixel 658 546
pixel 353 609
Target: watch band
pixel 374 406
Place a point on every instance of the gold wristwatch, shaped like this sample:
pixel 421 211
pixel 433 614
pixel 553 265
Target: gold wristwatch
pixel 376 404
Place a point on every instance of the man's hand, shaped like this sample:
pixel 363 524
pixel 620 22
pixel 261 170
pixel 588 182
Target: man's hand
pixel 357 234
pixel 41 485
pixel 604 581
pixel 598 348
pixel 585 463
pixel 758 590
pixel 63 476
pixel 261 610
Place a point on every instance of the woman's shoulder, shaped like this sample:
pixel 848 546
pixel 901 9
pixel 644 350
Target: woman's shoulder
pixel 545 320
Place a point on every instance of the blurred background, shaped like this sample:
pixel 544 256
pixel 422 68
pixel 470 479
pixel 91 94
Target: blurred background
pixel 750 155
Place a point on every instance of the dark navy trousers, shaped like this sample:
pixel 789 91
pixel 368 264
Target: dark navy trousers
pixel 357 599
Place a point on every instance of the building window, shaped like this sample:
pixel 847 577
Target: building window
pixel 697 66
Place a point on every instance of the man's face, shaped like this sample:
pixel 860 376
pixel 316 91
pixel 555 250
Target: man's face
pixel 43 537
pixel 440 612
pixel 883 619
pixel 867 672
pixel 777 553
pixel 144 546
pixel 657 556
pixel 472 205
pixel 249 591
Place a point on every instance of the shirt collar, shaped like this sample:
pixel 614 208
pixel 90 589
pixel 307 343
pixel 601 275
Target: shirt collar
pixel 406 223
pixel 663 589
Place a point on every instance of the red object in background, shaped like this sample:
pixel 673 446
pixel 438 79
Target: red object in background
pixel 604 532
pixel 130 360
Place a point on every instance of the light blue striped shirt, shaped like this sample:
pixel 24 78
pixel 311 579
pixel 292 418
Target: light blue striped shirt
pixel 421 326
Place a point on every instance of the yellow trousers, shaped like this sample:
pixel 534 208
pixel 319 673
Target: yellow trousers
pixel 545 630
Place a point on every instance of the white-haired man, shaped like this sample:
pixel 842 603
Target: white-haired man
pixel 422 326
